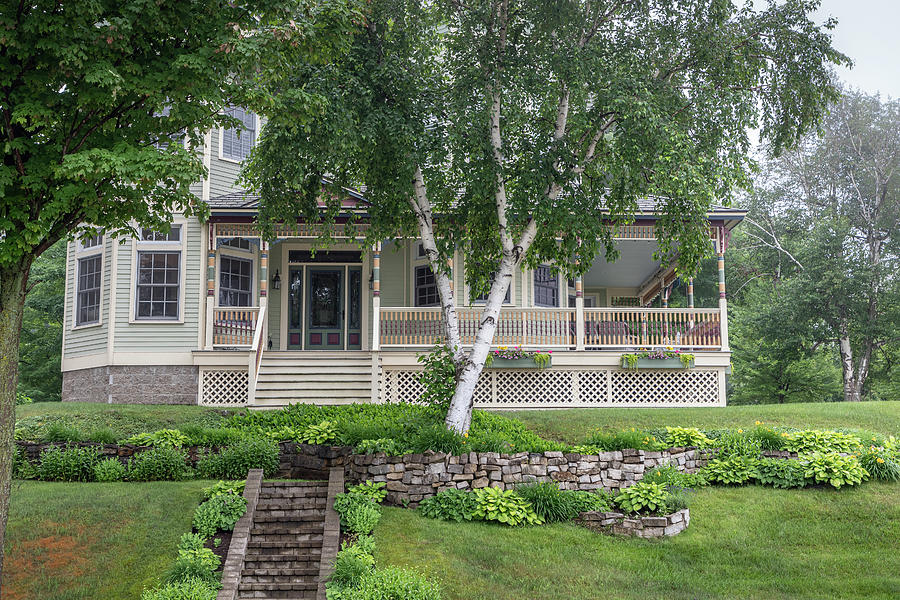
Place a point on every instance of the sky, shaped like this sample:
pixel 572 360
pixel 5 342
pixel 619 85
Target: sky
pixel 868 31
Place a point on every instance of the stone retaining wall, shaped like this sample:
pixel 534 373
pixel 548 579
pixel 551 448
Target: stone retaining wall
pixel 413 477
pixel 158 384
pixel 123 452
pixel 645 527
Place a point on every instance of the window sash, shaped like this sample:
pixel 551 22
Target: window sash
pixel 425 289
pixel 90 272
pixel 158 286
pixel 151 235
pixel 237 145
pixel 546 287
pixel 235 281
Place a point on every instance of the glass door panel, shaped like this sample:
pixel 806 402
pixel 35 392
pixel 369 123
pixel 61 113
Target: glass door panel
pixel 295 309
pixel 325 316
pixel 354 308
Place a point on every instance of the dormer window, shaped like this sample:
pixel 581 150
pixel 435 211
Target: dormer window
pixel 237 143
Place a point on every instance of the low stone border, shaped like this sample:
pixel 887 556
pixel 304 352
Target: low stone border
pixel 331 536
pixel 123 452
pixel 644 527
pixel 234 564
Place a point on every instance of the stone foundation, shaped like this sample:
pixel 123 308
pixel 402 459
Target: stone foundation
pixel 646 527
pixel 158 384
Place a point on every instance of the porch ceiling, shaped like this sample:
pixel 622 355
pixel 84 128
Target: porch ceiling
pixel 634 266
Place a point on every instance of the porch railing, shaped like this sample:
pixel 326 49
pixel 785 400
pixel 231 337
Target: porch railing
pixel 557 327
pixel 234 326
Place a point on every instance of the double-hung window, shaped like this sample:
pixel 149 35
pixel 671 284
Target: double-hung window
pixel 483 298
pixel 426 289
pixel 237 143
pixel 88 280
pixel 546 287
pixel 158 286
pixel 235 281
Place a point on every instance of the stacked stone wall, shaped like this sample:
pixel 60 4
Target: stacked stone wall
pixel 132 384
pixel 646 527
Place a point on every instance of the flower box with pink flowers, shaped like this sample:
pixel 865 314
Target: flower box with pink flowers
pixel 514 357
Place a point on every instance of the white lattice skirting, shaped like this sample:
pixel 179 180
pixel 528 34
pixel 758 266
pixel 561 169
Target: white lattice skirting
pixel 224 387
pixel 553 387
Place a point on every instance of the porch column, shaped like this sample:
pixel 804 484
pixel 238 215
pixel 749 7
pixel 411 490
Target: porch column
pixel 263 291
pixel 579 313
pixel 690 292
pixel 376 296
pixel 723 303
pixel 210 286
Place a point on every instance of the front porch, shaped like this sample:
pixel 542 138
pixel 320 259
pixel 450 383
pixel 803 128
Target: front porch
pixel 316 316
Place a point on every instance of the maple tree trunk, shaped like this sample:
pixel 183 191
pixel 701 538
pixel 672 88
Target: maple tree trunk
pixel 13 286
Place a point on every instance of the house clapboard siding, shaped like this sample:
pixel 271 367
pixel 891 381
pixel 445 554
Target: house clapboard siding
pixel 91 339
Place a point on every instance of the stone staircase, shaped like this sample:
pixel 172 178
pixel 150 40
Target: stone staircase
pixel 289 540
pixel 317 377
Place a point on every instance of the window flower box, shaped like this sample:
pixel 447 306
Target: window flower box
pixel 662 358
pixel 517 363
pixel 506 357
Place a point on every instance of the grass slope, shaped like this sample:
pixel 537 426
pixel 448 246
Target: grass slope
pixel 81 541
pixel 124 419
pixel 748 542
pixel 573 425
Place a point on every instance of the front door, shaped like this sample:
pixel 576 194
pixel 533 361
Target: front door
pixel 325 315
pixel 295 309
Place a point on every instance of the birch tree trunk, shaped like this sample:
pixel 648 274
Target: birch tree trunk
pixel 13 286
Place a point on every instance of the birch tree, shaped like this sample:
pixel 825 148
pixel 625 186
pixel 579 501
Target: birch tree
pixel 517 131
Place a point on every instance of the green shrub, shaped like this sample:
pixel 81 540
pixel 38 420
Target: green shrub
pixel 103 435
pixel 821 441
pixel 768 438
pixel 60 432
pixel 374 491
pixel 194 561
pixel 351 564
pixel 490 441
pixel 353 433
pixel 685 436
pixel 881 463
pixel 585 501
pixel 737 443
pixel 109 470
pixel 69 464
pixel 224 487
pixel 503 506
pixel 733 469
pixel 438 438
pixel 642 496
pixel 22 468
pixel 833 469
pixel 190 589
pixel 438 377
pixel 219 513
pixel 671 477
pixel 386 445
pixel 235 461
pixel 550 503
pixel 621 440
pixel 212 437
pixel 780 473
pixel 159 464
pixel 388 583
pixel 22 399
pixel 676 499
pixel 167 438
pixel 321 433
pixel 449 505
pixel 361 518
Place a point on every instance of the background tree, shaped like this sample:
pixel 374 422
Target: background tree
pixel 87 87
pixel 509 129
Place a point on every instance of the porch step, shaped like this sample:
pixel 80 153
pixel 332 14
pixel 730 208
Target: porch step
pixel 313 377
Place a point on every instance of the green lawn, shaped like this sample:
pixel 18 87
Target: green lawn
pixel 573 425
pixel 123 419
pixel 74 541
pixel 748 542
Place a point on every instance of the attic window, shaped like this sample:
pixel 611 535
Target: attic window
pixel 236 144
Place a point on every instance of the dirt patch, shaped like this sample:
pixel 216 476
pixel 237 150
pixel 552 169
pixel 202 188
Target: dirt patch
pixel 62 557
pixel 222 549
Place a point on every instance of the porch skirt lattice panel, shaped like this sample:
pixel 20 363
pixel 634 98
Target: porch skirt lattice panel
pixel 526 388
pixel 224 387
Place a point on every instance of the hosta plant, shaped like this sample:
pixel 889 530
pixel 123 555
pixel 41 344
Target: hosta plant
pixel 321 433
pixel 504 506
pixel 834 469
pixel 821 441
pixel 686 436
pixel 373 490
pixel 643 496
pixel 450 505
pixel 734 469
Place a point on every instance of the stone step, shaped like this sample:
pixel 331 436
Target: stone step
pixel 281 561
pixel 283 572
pixel 304 577
pixel 291 503
pixel 310 527
pixel 278 586
pixel 319 491
pixel 286 543
pixel 277 595
pixel 281 516
pixel 287 483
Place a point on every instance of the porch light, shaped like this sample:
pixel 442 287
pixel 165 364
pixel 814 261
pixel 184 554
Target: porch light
pixel 276 281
